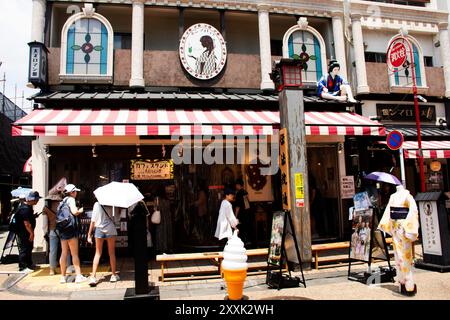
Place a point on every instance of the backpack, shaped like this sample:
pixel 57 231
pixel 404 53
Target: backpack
pixel 65 221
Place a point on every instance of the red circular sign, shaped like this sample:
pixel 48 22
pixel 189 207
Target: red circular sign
pixel 394 140
pixel 397 55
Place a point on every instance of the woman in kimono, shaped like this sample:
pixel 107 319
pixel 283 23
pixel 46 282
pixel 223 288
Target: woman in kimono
pixel 401 220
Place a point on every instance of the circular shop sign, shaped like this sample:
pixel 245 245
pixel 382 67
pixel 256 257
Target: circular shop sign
pixel 203 52
pixel 397 54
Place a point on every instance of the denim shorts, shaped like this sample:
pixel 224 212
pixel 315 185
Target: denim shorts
pixel 102 235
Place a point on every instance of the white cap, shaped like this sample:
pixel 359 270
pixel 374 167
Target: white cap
pixel 70 188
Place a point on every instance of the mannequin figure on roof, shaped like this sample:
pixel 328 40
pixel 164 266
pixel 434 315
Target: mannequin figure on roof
pixel 333 87
pixel 401 220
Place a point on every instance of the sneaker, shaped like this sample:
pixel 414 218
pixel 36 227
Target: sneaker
pixel 70 269
pixel 52 271
pixel 80 278
pixel 62 279
pixel 27 270
pixel 92 281
pixel 114 278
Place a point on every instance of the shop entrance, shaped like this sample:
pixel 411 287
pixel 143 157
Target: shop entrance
pixel 323 176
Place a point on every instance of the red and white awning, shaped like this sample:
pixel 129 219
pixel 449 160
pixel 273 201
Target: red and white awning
pixel 341 123
pixel 125 122
pixel 430 149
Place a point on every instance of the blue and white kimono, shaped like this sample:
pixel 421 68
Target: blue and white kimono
pixel 333 85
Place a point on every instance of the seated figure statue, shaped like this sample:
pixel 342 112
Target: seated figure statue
pixel 333 87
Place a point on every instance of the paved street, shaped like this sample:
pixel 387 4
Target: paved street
pixel 328 283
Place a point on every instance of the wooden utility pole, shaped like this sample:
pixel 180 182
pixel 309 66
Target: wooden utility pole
pixel 293 119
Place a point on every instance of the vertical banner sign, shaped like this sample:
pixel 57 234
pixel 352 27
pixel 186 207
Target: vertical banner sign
pixel 299 191
pixel 430 228
pixel 284 167
pixel 35 64
pixel 347 187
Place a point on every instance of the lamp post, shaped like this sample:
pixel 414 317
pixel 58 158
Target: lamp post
pixel 397 57
pixel 286 74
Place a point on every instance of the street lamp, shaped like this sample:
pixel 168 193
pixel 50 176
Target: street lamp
pixel 396 58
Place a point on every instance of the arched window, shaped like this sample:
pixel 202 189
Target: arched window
pixel 87 47
pixel 403 78
pixel 307 45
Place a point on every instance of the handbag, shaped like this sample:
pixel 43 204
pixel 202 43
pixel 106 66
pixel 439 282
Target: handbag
pixel 156 217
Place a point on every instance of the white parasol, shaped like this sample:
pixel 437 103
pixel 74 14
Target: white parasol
pixel 118 194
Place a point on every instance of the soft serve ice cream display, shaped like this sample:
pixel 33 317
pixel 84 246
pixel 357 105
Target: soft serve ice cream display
pixel 234 266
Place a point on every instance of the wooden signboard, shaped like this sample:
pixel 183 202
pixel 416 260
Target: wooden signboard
pixel 284 167
pixel 151 169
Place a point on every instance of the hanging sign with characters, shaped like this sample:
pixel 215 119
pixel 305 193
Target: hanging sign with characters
pixel 151 169
pixel 203 52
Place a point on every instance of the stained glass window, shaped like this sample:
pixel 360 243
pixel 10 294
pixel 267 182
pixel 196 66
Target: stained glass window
pixel 305 46
pixel 404 76
pixel 87 47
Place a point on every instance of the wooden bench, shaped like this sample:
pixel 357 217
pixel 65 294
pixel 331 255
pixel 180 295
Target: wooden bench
pixel 316 248
pixel 216 256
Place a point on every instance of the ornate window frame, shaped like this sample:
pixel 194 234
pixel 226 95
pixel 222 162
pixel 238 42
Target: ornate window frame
pixel 302 25
pixel 422 86
pixel 87 13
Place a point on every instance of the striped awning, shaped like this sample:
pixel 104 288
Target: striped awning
pixel 430 149
pixel 162 122
pixel 341 123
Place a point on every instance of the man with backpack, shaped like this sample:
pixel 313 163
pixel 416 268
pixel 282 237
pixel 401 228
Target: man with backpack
pixel 24 224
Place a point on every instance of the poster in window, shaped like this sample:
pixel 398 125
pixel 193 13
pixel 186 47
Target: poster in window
pixel 258 186
pixel 276 238
pixel 361 235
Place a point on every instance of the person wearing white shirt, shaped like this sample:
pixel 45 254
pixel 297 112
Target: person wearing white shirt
pixel 105 229
pixel 226 220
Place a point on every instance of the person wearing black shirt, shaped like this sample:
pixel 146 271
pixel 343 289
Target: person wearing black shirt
pixel 26 222
pixel 242 210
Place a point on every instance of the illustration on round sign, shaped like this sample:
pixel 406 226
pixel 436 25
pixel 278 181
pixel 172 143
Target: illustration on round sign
pixel 203 51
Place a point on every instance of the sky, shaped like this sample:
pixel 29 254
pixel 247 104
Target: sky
pixel 15 33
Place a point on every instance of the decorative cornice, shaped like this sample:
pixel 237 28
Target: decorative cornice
pixel 318 8
pixel 443 26
pixel 264 7
pixel 356 17
pixel 337 14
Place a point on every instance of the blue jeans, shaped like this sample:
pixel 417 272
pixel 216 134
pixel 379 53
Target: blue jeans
pixel 54 245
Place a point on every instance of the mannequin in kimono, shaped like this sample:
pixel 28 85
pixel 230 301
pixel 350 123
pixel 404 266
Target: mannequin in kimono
pixel 333 87
pixel 401 220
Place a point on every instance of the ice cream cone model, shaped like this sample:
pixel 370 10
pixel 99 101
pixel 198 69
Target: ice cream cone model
pixel 234 267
